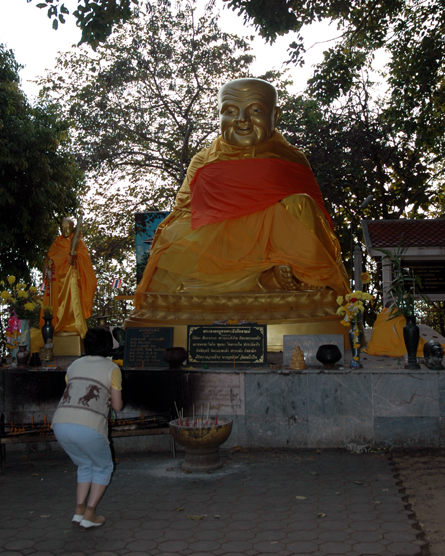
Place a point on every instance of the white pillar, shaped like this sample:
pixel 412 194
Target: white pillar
pixel 358 265
pixel 386 279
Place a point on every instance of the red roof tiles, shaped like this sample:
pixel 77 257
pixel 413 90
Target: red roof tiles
pixel 407 233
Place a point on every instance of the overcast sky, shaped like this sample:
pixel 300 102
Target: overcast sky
pixel 27 30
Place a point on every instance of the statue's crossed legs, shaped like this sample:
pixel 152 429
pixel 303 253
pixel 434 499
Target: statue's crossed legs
pixel 288 246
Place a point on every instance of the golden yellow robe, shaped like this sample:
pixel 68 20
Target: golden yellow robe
pixel 73 287
pixel 230 256
pixel 387 336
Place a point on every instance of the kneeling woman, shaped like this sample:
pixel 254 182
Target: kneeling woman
pixel 80 422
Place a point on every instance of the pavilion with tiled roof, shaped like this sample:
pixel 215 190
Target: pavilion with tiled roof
pixel 423 242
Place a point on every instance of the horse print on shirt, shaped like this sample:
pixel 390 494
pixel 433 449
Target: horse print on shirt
pixel 92 393
pixel 66 398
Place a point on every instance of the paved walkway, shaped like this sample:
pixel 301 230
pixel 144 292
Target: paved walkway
pixel 319 503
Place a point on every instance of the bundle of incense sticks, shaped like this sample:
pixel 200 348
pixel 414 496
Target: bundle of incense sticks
pixel 199 421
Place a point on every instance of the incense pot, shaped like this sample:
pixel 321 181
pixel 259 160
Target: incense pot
pixel 201 442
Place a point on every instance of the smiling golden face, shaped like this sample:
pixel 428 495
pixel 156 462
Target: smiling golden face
pixel 248 111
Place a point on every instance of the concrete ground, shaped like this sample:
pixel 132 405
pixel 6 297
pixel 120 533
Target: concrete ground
pixel 314 502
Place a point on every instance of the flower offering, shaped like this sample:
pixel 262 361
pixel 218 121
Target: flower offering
pixel 352 306
pixel 22 302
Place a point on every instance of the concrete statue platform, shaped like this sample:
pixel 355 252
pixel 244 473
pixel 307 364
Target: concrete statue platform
pixel 381 404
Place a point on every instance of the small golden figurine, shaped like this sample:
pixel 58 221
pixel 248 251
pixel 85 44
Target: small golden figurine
pixel 297 360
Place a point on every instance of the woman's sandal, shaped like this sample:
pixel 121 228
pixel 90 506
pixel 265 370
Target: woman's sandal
pixel 90 519
pixel 78 516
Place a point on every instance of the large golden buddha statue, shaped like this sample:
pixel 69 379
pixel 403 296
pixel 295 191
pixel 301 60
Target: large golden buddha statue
pixel 249 231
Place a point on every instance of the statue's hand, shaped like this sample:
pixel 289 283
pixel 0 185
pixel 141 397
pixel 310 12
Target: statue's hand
pixel 73 257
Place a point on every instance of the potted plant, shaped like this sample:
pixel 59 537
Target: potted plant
pixel 404 291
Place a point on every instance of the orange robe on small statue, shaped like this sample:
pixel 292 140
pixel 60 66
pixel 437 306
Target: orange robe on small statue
pixel 387 336
pixel 72 287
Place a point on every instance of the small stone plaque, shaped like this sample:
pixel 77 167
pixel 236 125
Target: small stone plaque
pixel 227 344
pixel 310 344
pixel 144 347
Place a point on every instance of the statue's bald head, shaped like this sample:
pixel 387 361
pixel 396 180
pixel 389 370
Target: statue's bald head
pixel 67 227
pixel 240 88
pixel 248 111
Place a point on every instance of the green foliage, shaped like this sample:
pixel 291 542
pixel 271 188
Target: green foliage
pixel 39 179
pixel 409 32
pixel 95 18
pixel 113 256
pixel 272 18
pixel 146 101
pixel 433 315
pixel 355 152
pixel 412 37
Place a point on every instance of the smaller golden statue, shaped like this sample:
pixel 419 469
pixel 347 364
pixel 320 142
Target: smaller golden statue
pixel 297 361
pixel 71 280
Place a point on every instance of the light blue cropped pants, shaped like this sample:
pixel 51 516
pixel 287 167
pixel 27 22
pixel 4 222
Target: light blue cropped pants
pixel 88 449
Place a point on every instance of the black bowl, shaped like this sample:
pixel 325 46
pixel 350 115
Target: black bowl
pixel 175 356
pixel 328 354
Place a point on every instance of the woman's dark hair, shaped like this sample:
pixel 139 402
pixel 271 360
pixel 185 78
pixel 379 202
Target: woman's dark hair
pixel 98 341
